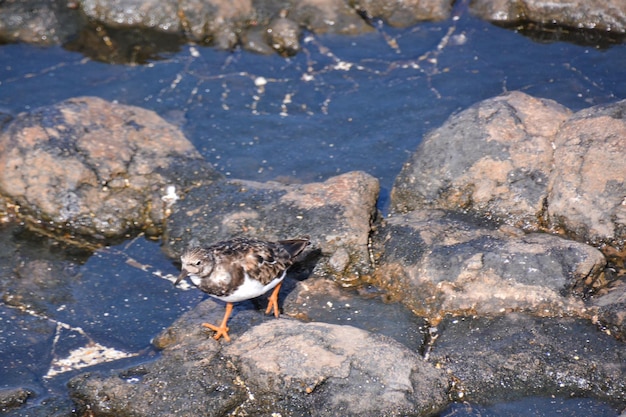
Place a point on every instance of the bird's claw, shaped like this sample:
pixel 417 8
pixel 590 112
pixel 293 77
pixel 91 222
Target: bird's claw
pixel 219 331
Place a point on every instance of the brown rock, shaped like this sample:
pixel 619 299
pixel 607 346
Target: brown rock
pixel 343 370
pixel 95 169
pixel 494 158
pixel 587 190
pixel 279 366
pixel 441 263
pixel 406 13
pixel 609 15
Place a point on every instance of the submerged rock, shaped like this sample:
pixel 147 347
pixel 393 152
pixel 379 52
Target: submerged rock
pixel 95 170
pixel 336 213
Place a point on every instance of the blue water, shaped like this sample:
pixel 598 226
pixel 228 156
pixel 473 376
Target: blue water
pixel 344 103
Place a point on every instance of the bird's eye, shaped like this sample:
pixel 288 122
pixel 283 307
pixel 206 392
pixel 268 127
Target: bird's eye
pixel 198 263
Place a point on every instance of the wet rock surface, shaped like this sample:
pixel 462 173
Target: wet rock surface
pixel 47 23
pixel 519 355
pixel 337 214
pixel 109 169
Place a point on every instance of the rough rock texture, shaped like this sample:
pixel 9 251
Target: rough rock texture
pixel 610 305
pixel 587 196
pixel 185 381
pixel 13 398
pixel 494 158
pixel 406 13
pixel 517 355
pixel 226 24
pixel 280 366
pixel 609 15
pixel 43 22
pixel 321 299
pixel 96 169
pixel 439 263
pixel 336 213
pixel 529 163
pixel 347 370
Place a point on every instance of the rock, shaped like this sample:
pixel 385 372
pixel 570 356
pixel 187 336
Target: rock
pixel 279 366
pixel 58 406
pixel 528 163
pixel 150 14
pixel 184 381
pixel 224 24
pixel 337 370
pixel 494 159
pixel 441 263
pixel 336 214
pixel 42 23
pixel 13 398
pixel 610 303
pixel 284 36
pixel 96 169
pixel 514 356
pixel 607 16
pixel 320 299
pixel 406 13
pixel 587 192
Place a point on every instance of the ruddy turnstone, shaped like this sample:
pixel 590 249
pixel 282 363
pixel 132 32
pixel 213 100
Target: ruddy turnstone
pixel 238 270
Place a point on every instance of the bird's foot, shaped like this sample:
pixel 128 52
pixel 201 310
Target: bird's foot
pixel 219 331
pixel 272 303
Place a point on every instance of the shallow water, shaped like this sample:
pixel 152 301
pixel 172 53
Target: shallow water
pixel 343 104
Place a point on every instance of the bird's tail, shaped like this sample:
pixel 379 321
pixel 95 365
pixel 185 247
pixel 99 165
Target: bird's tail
pixel 295 246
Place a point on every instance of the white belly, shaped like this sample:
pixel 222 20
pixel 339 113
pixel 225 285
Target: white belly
pixel 250 288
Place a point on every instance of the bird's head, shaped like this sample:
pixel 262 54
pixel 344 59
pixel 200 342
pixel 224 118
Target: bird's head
pixel 196 262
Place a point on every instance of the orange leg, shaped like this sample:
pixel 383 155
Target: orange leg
pixel 272 302
pixel 222 330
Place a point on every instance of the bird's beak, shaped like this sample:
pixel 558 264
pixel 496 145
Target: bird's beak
pixel 183 275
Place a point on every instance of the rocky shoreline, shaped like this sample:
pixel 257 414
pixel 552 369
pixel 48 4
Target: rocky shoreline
pixel 128 30
pixel 506 241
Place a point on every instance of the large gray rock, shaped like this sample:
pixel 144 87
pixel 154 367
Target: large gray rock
pixel 336 214
pixel 344 370
pixel 440 263
pixel 529 163
pixel 279 366
pixel 90 169
pixel 494 158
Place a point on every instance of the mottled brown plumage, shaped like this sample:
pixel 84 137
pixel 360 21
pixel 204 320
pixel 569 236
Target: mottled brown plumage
pixel 240 269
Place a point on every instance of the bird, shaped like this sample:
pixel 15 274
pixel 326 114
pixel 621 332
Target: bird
pixel 240 269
